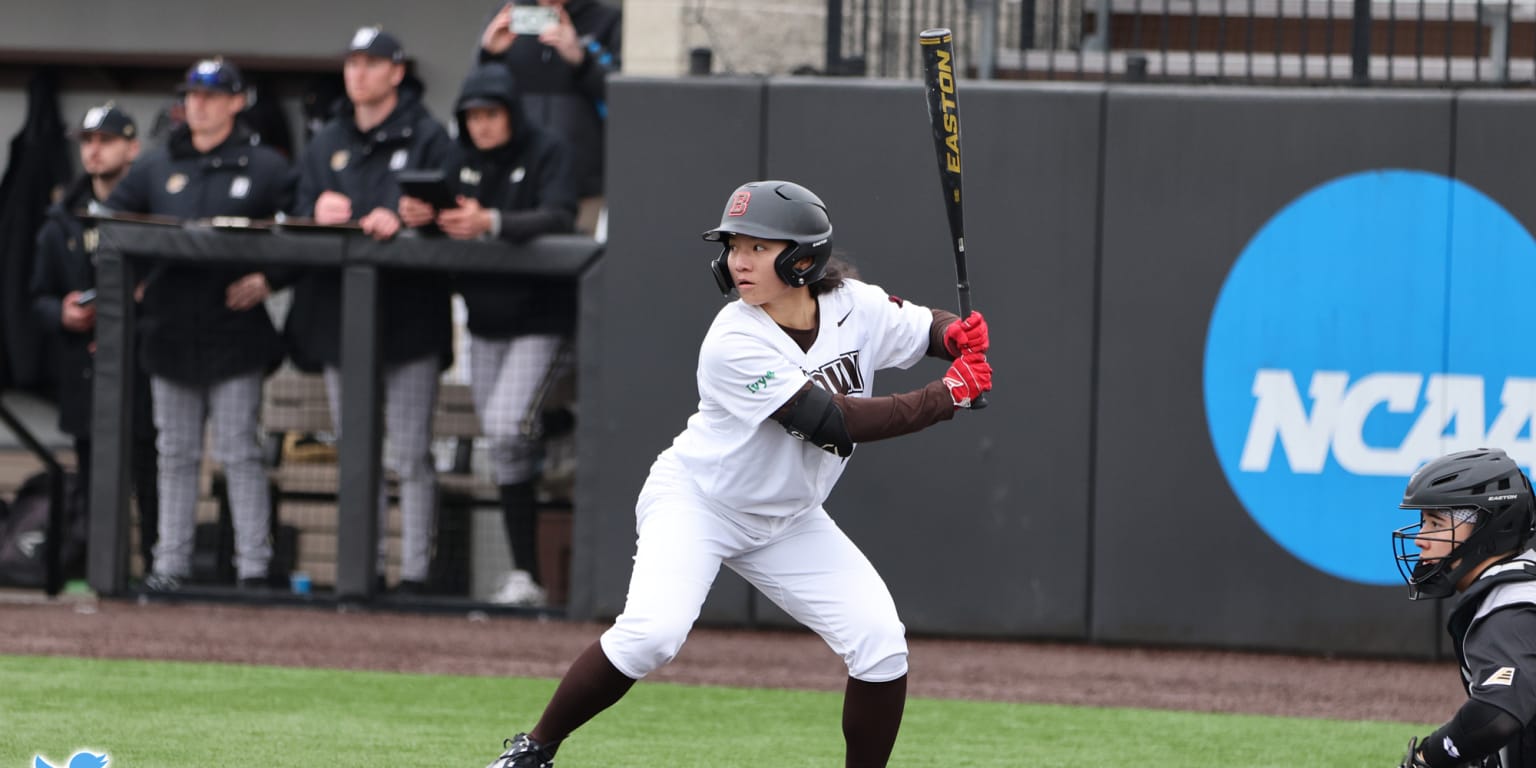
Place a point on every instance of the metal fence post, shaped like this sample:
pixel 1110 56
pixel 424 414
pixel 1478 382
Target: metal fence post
pixel 357 513
pixel 1360 43
pixel 834 37
pixel 111 420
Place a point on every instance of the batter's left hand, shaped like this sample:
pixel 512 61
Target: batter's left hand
pixel 967 378
pixel 967 334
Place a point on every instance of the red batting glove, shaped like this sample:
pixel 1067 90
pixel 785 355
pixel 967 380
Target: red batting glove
pixel 967 335
pixel 967 378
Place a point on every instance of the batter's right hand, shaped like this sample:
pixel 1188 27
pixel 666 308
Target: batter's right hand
pixel 967 378
pixel 967 335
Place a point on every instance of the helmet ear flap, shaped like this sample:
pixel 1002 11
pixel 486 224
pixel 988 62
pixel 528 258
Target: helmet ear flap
pixel 722 272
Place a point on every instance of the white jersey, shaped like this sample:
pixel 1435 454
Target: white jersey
pixel 748 367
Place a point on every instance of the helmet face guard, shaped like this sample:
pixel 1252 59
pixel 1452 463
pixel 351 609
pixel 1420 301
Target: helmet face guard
pixel 1486 481
pixel 776 210
pixel 1429 579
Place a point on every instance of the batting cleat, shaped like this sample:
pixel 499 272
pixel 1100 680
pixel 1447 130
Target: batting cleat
pixel 524 752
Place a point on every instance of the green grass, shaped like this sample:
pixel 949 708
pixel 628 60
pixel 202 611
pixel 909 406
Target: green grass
pixel 183 715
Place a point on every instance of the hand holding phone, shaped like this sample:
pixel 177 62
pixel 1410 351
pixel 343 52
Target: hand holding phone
pixel 84 298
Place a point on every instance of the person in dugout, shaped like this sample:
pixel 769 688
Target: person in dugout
pixel 207 339
pixel 347 175
pixel 513 182
pixel 63 292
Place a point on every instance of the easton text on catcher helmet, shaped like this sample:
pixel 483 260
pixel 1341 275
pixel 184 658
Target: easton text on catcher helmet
pixel 777 210
pixel 1485 481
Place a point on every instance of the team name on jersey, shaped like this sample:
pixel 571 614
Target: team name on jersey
pixel 841 376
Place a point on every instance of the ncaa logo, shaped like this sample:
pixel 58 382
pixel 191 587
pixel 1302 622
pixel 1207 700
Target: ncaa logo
pixel 1374 323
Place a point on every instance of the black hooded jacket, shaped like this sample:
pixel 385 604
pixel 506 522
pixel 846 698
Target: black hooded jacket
pixel 531 183
pixel 570 101
pixel 416 314
pixel 63 264
pixel 188 334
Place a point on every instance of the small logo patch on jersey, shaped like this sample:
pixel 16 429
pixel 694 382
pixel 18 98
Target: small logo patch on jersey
pixel 398 159
pixel 739 204
pixel 845 318
pixel 518 174
pixel 339 159
pixel 1450 747
pixel 176 183
pixel 1501 676
pixel 240 187
pixel 470 176
pixel 761 383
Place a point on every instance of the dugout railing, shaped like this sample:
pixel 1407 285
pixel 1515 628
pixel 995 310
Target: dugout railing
pixel 360 261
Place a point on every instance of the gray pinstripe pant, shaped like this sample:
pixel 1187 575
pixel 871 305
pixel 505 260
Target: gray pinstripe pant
pixel 410 392
pixel 504 377
pixel 234 408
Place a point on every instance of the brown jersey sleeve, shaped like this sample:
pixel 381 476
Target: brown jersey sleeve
pixel 941 321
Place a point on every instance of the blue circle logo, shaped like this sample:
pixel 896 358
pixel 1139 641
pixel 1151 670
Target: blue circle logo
pixel 1374 323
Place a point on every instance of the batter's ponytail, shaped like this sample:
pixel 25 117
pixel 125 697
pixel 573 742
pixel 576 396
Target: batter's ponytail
pixel 832 279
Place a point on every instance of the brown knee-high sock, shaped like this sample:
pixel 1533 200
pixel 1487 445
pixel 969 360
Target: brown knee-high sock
pixel 591 685
pixel 871 718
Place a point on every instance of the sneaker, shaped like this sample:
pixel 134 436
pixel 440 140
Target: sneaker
pixel 524 752
pixel 518 588
pixel 162 582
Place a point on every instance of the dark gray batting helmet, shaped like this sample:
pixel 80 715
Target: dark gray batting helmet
pixel 777 210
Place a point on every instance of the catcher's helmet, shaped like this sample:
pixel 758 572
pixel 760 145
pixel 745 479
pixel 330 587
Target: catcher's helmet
pixel 777 210
pixel 1485 482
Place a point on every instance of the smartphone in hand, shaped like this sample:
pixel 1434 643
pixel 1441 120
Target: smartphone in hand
pixel 85 298
pixel 532 19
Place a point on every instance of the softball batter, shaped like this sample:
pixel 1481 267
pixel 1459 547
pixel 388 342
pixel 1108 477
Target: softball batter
pixel 785 378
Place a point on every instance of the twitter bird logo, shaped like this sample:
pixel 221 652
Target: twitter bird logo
pixel 81 759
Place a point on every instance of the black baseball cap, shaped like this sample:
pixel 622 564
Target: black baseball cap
pixel 375 42
pixel 110 120
pixel 213 74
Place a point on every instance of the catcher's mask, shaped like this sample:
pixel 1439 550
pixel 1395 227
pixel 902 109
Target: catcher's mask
pixel 1489 502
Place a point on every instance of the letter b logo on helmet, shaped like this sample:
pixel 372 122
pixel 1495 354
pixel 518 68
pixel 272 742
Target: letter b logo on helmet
pixel 777 210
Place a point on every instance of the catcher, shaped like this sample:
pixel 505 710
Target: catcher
pixel 1475 517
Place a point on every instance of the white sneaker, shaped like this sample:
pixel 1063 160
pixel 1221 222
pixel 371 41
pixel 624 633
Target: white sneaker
pixel 518 589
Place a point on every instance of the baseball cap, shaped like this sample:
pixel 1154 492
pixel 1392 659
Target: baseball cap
pixel 375 42
pixel 108 119
pixel 213 74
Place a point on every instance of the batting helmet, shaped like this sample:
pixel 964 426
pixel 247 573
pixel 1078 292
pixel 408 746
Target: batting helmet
pixel 777 210
pixel 1484 485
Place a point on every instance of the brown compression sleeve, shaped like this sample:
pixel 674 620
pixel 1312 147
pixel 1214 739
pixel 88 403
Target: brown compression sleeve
pixel 877 418
pixel 941 321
